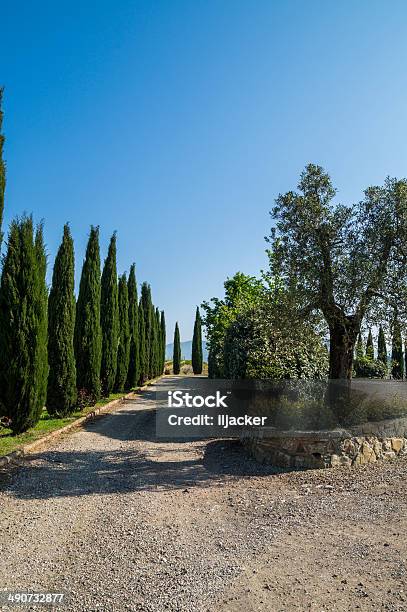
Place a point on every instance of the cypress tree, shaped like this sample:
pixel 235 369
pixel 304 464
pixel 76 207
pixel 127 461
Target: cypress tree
pixel 142 346
pixel 152 344
pixel 23 326
pixel 2 168
pixel 197 344
pixel 147 306
pixel 381 347
pixel 123 352
pixel 176 359
pixel 88 334
pixel 61 394
pixel 369 346
pixel 359 347
pixel 212 366
pixel 109 320
pixel 134 359
pixel 42 321
pixel 358 358
pixel 397 364
pixel 158 370
pixel 163 340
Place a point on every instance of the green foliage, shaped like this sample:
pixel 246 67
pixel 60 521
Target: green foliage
pixel 366 367
pixel 213 371
pixel 123 352
pixel 88 335
pixel 176 359
pixel 369 346
pixel 158 343
pixel 23 326
pixel 345 262
pixel 163 341
pixel 109 320
pixel 269 342
pixel 2 168
pixel 153 344
pixel 147 308
pixel 197 360
pixel 381 347
pixel 42 320
pixel 359 347
pixel 360 355
pixel 143 376
pixel 133 374
pixel 397 363
pixel 61 393
pixel 241 293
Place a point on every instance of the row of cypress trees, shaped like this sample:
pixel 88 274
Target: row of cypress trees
pixel 398 362
pixel 197 355
pixel 63 353
pixel 57 351
pixel 109 340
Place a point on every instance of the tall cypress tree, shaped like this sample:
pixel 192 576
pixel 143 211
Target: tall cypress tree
pixel 397 367
pixel 23 326
pixel 43 315
pixel 2 168
pixel 123 352
pixel 358 357
pixel 154 348
pixel 147 306
pixel 143 374
pixel 109 320
pixel 158 350
pixel 197 344
pixel 163 341
pixel 152 343
pixel 369 346
pixel 134 359
pixel 381 347
pixel 176 359
pixel 61 394
pixel 88 334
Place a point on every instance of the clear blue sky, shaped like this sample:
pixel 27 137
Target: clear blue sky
pixel 178 122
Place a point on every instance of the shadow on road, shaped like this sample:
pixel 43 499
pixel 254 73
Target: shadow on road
pixel 56 473
pixel 136 461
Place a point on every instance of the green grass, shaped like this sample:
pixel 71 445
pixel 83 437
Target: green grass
pixel 46 425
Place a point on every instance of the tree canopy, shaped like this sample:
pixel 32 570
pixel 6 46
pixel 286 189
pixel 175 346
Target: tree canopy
pixel 345 261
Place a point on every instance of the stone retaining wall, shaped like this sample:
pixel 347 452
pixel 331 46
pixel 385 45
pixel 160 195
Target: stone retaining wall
pixel 322 449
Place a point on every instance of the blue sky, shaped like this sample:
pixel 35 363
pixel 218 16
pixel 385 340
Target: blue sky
pixel 178 122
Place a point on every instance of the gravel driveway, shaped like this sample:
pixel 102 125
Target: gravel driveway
pixel 120 521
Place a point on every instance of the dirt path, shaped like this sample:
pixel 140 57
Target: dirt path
pixel 121 521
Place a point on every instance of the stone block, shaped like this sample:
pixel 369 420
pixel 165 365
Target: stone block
pixel 397 444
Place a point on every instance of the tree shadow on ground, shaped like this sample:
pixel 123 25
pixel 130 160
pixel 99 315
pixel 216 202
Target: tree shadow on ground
pixel 57 474
pixel 139 461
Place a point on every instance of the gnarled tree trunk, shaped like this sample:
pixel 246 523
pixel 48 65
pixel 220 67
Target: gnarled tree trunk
pixel 342 339
pixel 343 334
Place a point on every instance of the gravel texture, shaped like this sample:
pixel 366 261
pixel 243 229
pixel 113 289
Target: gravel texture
pixel 121 521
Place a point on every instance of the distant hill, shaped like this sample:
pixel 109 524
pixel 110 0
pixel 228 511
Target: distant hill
pixel 186 350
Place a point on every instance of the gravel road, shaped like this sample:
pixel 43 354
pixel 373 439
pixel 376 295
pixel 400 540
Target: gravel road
pixel 118 520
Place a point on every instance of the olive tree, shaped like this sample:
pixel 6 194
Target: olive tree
pixel 345 262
